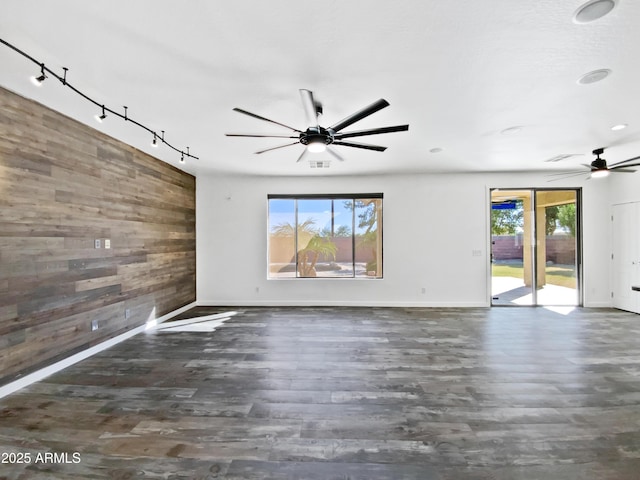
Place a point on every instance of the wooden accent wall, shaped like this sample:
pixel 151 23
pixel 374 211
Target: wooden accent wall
pixel 63 186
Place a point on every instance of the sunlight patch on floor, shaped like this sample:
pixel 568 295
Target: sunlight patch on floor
pixel 205 323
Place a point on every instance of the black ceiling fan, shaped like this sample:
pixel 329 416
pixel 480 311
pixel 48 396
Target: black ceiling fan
pixel 317 138
pixel 599 168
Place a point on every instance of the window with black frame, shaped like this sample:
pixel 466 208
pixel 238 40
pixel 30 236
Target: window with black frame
pixel 325 236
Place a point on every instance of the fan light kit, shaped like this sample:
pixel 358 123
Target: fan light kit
pixel 319 139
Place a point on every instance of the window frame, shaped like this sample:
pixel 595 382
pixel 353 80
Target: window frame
pixel 329 196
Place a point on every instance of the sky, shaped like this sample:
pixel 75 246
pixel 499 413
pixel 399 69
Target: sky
pixel 283 211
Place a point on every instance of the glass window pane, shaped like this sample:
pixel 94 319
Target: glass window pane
pixel 557 268
pixel 282 241
pixel 368 237
pixel 342 237
pixel 330 237
pixel 316 249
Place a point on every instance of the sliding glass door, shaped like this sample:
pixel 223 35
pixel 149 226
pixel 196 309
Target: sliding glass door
pixel 535 247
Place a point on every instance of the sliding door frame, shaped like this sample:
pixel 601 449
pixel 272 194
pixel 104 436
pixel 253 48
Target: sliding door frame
pixel 534 244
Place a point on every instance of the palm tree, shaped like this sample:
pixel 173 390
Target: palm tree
pixel 311 245
pixel 308 256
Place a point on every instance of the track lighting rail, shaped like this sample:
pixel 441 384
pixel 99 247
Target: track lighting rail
pixel 44 70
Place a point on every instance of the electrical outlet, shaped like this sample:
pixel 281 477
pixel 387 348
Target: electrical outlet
pixel 97 243
pixel 127 313
pixel 94 325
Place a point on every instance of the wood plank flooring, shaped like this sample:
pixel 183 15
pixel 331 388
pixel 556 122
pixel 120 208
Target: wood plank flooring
pixel 345 393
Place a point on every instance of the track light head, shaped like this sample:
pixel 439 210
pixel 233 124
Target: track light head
pixel 154 143
pixel 102 116
pixel 37 81
pixel 182 157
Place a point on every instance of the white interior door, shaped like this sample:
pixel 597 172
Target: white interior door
pixel 626 256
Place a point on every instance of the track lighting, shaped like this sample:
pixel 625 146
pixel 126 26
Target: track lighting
pixel 101 117
pixel 37 81
pixel 63 79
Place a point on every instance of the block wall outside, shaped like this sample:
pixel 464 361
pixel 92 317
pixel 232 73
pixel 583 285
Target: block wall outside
pixel 561 249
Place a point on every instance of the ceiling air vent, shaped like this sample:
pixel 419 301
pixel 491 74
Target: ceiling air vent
pixel 319 164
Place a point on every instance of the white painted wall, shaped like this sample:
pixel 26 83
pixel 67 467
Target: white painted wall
pixel 432 223
pixel 625 187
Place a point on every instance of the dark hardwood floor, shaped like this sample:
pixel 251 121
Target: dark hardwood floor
pixel 344 393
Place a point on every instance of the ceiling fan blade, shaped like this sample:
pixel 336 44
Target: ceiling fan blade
pixel 309 107
pixel 366 146
pixel 372 131
pixel 637 164
pixel 259 136
pixel 621 170
pixel 276 148
pixel 302 155
pixel 239 110
pixel 624 161
pixel 588 166
pixel 559 174
pixel 567 176
pixel 359 115
pixel 335 154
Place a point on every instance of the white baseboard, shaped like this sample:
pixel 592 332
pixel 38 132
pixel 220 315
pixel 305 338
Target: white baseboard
pixel 598 305
pixel 62 364
pixel 307 303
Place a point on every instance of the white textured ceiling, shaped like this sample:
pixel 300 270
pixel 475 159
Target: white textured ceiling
pixel 459 72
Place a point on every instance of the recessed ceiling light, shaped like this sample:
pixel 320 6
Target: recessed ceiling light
pixel 593 10
pixel 620 126
pixel 435 150
pixel 594 76
pixel 511 130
